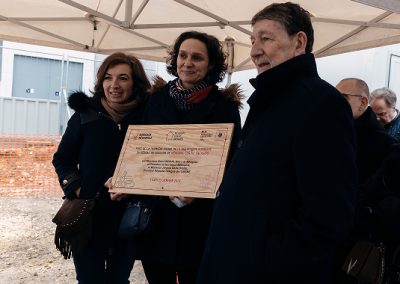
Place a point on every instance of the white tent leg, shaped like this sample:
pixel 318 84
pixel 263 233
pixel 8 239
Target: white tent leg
pixel 128 10
pixel 228 83
pixel 230 41
pixel 61 107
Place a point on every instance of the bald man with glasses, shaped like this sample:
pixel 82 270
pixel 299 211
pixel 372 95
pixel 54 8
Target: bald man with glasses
pixel 373 146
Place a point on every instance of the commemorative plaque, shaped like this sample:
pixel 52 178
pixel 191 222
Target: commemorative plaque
pixel 172 160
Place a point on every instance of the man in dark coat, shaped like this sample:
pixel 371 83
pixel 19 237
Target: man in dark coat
pixel 373 141
pixel 288 196
pixel 373 146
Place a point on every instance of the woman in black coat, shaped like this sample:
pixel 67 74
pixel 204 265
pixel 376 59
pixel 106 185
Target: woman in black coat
pixel 87 156
pixel 378 209
pixel 177 241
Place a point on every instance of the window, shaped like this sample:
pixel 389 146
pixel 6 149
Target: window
pixel 40 78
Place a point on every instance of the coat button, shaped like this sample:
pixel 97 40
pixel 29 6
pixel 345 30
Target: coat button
pixel 217 194
pixel 65 182
pixel 240 144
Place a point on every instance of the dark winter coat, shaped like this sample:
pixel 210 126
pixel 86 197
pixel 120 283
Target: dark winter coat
pixel 373 146
pixel 93 141
pixel 393 127
pixel 288 195
pixel 179 234
pixel 378 209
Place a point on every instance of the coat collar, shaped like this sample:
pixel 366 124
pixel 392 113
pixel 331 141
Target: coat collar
pixel 274 81
pixel 367 121
pixel 167 107
pixel 393 122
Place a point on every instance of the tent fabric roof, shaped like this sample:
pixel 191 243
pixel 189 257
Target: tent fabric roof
pixel 146 28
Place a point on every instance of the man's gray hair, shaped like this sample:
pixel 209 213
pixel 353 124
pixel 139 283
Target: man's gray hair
pixel 384 93
pixel 362 87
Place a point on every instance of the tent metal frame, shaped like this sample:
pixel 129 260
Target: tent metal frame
pixel 128 25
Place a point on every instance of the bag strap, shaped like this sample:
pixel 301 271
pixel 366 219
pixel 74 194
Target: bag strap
pixel 102 185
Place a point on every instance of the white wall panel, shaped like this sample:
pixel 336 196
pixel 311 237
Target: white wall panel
pixel 28 116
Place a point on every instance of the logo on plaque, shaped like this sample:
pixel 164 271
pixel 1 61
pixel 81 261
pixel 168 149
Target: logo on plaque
pixel 170 136
pixel 205 134
pixel 220 135
pixel 125 181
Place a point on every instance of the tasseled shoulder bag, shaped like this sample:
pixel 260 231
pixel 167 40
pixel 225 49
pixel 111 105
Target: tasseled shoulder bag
pixel 74 222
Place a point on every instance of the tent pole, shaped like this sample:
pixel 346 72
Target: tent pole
pixel 230 41
pixel 228 83
pixel 128 10
pixel 108 27
pixel 350 34
pixel 241 64
pixel 61 109
pixel 134 18
pixel 211 15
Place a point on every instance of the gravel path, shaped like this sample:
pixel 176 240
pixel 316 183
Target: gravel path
pixel 27 251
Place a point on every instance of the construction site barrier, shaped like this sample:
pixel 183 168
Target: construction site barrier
pixel 25 165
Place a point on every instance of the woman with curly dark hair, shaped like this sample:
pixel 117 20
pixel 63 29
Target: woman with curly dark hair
pixel 87 156
pixel 177 241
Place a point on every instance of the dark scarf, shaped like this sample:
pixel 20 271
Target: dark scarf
pixel 186 98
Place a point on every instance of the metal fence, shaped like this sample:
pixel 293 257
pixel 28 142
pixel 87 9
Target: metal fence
pixel 25 165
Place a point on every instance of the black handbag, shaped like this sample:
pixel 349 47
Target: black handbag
pixel 366 262
pixel 138 217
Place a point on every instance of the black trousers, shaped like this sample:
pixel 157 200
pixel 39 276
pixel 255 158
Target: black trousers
pixel 161 273
pixel 97 266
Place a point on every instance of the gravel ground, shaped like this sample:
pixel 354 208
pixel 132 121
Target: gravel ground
pixel 27 251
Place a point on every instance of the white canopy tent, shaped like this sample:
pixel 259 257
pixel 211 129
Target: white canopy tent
pixel 146 28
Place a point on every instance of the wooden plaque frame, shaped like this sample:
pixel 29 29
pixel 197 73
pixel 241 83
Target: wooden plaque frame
pixel 172 160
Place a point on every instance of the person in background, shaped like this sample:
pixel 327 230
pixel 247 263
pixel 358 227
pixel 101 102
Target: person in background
pixel 287 198
pixel 178 238
pixel 373 146
pixel 383 103
pixel 373 142
pixel 93 140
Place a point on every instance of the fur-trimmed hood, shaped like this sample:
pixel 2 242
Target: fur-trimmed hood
pixel 233 93
pixel 79 101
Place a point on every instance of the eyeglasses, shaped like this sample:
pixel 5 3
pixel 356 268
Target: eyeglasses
pixel 345 95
